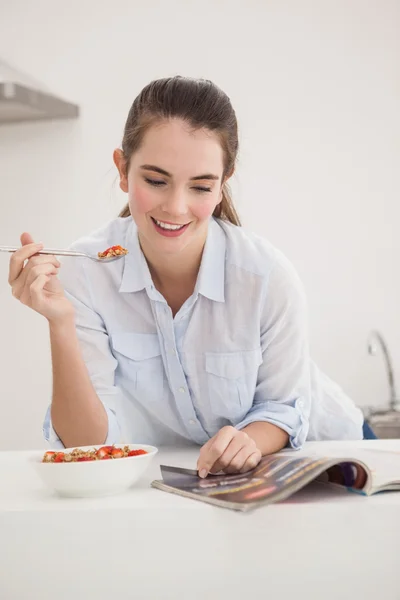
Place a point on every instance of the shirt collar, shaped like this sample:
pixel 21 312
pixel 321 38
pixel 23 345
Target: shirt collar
pixel 211 278
pixel 210 281
pixel 136 275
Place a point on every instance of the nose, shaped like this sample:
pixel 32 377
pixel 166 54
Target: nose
pixel 176 204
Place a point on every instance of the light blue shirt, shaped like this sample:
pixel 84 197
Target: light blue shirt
pixel 235 353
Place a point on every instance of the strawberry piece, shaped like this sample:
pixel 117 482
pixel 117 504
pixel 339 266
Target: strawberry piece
pixel 104 451
pixel 136 452
pixel 106 457
pixel 59 457
pixel 117 453
pixel 84 458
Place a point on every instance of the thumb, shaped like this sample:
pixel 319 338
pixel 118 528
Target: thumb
pixel 26 238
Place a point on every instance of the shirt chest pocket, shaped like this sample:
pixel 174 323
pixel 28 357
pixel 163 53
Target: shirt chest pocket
pixel 231 381
pixel 140 365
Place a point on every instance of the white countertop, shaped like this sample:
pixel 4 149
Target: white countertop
pixel 147 544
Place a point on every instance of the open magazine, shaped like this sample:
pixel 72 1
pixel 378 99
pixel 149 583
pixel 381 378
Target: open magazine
pixel 281 475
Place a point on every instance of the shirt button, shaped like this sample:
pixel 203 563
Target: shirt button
pixel 300 403
pixel 192 422
pixel 182 390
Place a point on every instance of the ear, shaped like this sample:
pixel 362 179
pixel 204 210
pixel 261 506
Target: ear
pixel 120 163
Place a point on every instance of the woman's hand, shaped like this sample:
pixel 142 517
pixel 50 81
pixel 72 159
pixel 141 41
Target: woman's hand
pixel 33 279
pixel 231 451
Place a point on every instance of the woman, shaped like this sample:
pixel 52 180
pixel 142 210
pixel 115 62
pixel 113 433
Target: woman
pixel 199 334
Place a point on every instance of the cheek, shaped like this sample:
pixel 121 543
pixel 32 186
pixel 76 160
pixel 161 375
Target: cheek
pixel 204 208
pixel 141 199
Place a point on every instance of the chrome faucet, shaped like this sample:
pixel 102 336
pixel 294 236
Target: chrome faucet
pixel 374 338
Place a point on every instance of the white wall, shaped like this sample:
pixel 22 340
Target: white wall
pixel 316 87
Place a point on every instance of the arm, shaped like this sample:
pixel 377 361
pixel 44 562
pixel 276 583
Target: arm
pixel 83 404
pixel 267 437
pixel 74 395
pixel 81 357
pixel 282 399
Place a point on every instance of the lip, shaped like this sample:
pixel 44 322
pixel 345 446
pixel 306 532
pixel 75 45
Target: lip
pixel 169 233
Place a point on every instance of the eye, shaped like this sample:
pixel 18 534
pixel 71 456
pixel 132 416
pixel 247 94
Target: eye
pixel 154 182
pixel 202 189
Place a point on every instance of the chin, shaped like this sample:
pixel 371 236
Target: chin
pixel 170 246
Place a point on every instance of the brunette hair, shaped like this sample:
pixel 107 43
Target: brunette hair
pixel 201 104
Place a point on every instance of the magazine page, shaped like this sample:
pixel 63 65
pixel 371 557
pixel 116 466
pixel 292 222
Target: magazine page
pixel 275 478
pixel 384 466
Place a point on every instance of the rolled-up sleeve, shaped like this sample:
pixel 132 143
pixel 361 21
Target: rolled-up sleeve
pixel 283 390
pixel 95 348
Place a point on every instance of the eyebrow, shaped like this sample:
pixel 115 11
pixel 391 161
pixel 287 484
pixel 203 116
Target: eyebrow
pixel 208 176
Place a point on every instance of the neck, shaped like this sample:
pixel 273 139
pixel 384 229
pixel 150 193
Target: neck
pixel 170 270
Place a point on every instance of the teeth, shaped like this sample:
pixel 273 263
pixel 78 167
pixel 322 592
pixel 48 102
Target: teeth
pixel 168 226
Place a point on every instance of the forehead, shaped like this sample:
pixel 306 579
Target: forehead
pixel 175 147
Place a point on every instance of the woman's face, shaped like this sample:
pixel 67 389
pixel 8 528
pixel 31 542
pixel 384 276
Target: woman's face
pixel 174 183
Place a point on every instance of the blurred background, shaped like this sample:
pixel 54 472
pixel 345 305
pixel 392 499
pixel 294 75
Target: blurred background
pixel 316 88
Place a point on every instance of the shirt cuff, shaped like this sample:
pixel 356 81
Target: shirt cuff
pixel 51 437
pixel 290 418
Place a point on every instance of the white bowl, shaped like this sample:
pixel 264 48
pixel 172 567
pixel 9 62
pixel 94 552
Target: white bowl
pixel 94 478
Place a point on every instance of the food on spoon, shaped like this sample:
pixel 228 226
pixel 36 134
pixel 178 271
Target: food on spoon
pixel 79 455
pixel 113 251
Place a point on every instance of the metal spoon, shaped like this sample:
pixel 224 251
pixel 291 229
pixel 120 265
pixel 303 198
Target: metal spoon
pixel 55 252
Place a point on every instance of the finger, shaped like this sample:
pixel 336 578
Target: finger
pixel 209 455
pixel 20 287
pixel 251 462
pixel 18 259
pixel 206 446
pixel 211 447
pixel 237 443
pixel 202 471
pixel 26 238
pixel 36 288
pixel 19 283
pixel 204 450
pixel 41 269
pixel 38 271
pixel 41 259
pixel 239 460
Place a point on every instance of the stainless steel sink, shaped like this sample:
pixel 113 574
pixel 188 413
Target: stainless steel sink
pixel 385 424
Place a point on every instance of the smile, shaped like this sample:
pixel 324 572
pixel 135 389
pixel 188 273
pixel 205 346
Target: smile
pixel 169 229
pixel 169 226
